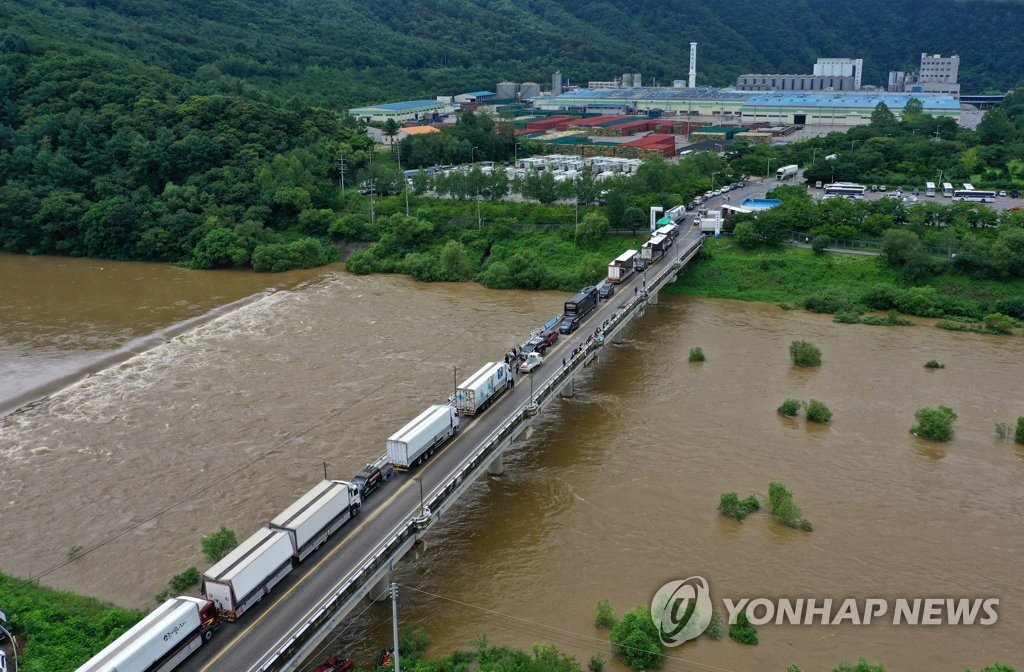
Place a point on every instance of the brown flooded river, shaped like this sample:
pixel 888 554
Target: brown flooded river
pixel 613 494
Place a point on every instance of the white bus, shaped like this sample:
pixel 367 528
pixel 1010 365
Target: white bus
pixel 929 189
pixel 968 186
pixel 974 195
pixel 845 189
pixel 947 190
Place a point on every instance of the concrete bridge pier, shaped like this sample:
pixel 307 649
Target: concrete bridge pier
pixel 653 298
pixel 497 466
pixel 568 391
pixel 381 590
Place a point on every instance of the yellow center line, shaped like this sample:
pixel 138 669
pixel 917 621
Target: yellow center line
pixel 352 534
pixel 366 521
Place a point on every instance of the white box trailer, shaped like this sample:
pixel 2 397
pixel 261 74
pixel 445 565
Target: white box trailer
pixel 246 574
pixel 620 269
pixel 483 387
pixel 169 634
pixel 317 515
pixel 676 214
pixel 418 439
pixel 655 246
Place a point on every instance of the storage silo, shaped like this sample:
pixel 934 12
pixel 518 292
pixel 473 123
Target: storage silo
pixel 529 90
pixel 507 91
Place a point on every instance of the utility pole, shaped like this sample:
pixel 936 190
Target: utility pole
pixel 394 622
pixel 373 183
pixel 405 182
pixel 341 171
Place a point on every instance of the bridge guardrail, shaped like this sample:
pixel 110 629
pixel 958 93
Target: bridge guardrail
pixel 383 552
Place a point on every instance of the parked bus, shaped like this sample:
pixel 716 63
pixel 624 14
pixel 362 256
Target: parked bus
pixel 947 190
pixel 974 195
pixel 845 189
pixel 929 189
pixel 968 186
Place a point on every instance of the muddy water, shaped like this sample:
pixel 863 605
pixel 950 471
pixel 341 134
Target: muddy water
pixel 612 495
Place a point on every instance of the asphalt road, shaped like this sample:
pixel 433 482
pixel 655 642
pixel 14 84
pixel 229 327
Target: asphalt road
pixel 245 643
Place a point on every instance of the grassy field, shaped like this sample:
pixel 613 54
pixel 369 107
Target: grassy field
pixel 777 275
pixel 790 275
pixel 59 630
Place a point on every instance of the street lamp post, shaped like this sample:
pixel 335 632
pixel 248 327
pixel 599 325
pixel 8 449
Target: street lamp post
pixel 767 172
pixel 713 181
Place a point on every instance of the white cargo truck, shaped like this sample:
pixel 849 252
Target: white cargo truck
pixel 246 574
pixel 787 172
pixel 622 266
pixel 421 437
pixel 169 634
pixel 655 247
pixel 317 515
pixel 482 388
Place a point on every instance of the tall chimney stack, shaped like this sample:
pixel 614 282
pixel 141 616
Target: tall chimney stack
pixel 693 65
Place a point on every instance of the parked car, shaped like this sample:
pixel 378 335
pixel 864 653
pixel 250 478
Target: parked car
pixel 640 264
pixel 531 362
pixel 569 324
pixel 534 344
pixel 605 290
pixel 1014 193
pixel 549 336
pixel 1002 193
pixel 874 187
pixel 881 187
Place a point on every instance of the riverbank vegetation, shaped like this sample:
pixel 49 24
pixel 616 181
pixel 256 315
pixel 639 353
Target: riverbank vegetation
pixel 59 630
pixel 696 355
pixel 782 506
pixel 635 639
pixel 743 631
pixel 805 354
pixel 935 424
pixel 733 507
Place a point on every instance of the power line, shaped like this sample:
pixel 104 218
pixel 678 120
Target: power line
pixel 324 645
pixel 571 633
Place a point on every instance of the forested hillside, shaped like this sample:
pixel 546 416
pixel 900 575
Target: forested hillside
pixel 208 132
pixel 348 52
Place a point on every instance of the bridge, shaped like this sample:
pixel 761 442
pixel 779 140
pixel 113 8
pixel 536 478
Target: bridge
pixel 357 561
pixel 982 101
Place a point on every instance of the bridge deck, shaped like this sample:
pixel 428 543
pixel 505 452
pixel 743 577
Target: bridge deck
pixel 273 634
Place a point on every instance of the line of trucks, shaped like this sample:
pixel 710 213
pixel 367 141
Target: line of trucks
pixel 243 577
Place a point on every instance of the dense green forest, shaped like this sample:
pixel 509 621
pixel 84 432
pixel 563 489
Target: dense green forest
pixel 211 133
pixel 344 52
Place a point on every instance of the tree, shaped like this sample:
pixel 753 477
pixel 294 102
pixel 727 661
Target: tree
pixel 935 424
pixel 635 638
pixel 882 117
pixel 742 631
pixel 995 128
pixel 746 235
pixel 820 243
pixel 592 229
pixel 913 111
pixel 219 544
pixel 818 411
pixel 804 353
pixel 390 130
pixel 899 246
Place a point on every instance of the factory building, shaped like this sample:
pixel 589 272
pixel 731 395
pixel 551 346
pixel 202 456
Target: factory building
pixel 775 108
pixel 938 75
pixel 796 83
pixel 411 110
pixel 830 74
